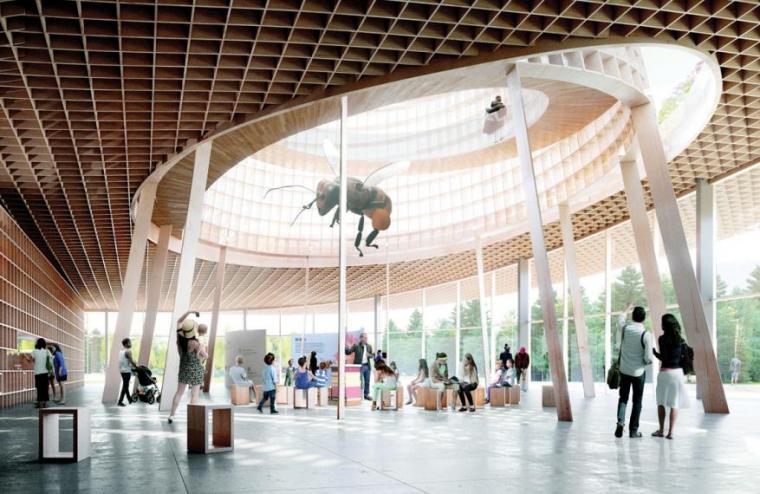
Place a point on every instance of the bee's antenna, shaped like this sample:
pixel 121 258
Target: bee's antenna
pixel 290 187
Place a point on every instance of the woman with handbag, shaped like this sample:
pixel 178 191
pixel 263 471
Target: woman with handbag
pixel 671 391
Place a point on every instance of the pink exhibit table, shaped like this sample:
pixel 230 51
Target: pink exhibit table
pixel 353 384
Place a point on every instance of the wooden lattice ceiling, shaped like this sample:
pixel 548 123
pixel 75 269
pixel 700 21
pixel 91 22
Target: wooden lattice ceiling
pixel 95 94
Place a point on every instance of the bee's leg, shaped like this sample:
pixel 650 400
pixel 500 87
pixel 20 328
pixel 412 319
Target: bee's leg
pixel 336 218
pixel 358 240
pixel 371 238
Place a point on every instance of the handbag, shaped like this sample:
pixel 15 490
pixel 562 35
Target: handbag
pixel 613 375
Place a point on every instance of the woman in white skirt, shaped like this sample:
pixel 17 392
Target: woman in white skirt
pixel 671 391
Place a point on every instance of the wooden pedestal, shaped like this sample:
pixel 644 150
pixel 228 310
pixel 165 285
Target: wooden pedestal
pixel 49 446
pixel 284 395
pixel 431 399
pixel 323 397
pixel 240 394
pixel 547 396
pixel 420 397
pixel 499 397
pixel 514 395
pixel 305 398
pixel 479 397
pixel 392 399
pixel 222 428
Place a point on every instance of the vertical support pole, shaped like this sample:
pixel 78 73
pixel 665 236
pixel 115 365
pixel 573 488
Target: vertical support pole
pixel 523 311
pixel 494 325
pixel 706 253
pixel 106 340
pixel 387 308
pixel 342 259
pixel 579 316
pixel 607 302
pixel 279 338
pixel 305 304
pixel 543 274
pixel 155 283
pixel 376 305
pixel 677 252
pixel 217 302
pixel 482 304
pixel 129 290
pixel 565 319
pixel 423 339
pixel 190 237
pixel 245 319
pixel 644 243
pixel 458 327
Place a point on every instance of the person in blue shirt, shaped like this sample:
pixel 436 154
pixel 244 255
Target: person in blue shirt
pixel 61 373
pixel 268 385
pixel 321 375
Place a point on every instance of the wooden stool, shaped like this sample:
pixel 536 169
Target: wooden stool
pixel 284 395
pixel 514 395
pixel 49 447
pixel 323 397
pixel 498 397
pixel 420 401
pixel 547 396
pixel 479 397
pixel 240 394
pixel 304 398
pixel 392 399
pixel 222 428
pixel 432 400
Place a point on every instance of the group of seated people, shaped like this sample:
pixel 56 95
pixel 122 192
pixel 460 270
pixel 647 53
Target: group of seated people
pixel 303 377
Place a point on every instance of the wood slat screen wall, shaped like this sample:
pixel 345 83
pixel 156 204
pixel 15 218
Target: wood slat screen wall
pixel 35 301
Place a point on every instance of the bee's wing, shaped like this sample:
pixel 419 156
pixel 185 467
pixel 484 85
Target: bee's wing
pixel 333 156
pixel 385 172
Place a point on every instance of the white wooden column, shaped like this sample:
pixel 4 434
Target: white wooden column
pixel 579 316
pixel 607 302
pixel 458 326
pixel 376 306
pixel 155 283
pixel 342 319
pixel 642 235
pixel 523 311
pixel 387 308
pixel 482 303
pixel 494 325
pixel 565 321
pixel 129 289
pixel 706 254
pixel 677 252
pixel 245 319
pixel 216 304
pixel 190 236
pixel 543 275
pixel 423 339
pixel 305 303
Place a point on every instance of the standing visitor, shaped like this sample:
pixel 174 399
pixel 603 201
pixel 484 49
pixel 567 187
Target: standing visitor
pixel 239 377
pixel 522 362
pixel 313 366
pixel 671 391
pixel 505 355
pixel 385 381
pixel 126 365
pixel 421 381
pixel 362 356
pixel 268 384
pixel 468 381
pixel 439 379
pixel 43 369
pixel 191 352
pixel 290 372
pixel 635 355
pixel 61 373
pixel 736 369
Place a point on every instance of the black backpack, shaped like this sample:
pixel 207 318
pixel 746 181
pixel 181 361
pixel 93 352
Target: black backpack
pixel 687 358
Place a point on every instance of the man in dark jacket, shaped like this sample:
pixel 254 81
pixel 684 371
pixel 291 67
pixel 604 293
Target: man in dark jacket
pixel 362 356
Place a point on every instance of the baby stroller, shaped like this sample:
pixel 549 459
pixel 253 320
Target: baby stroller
pixel 147 390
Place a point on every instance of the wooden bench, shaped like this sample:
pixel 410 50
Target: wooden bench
pixel 514 395
pixel 240 394
pixel 323 397
pixel 222 428
pixel 392 399
pixel 284 395
pixel 420 397
pixel 431 398
pixel 49 427
pixel 499 397
pixel 304 398
pixel 547 396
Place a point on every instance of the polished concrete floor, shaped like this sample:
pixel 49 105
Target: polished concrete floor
pixel 521 449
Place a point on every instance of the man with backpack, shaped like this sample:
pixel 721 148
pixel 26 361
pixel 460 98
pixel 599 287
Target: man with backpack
pixel 635 355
